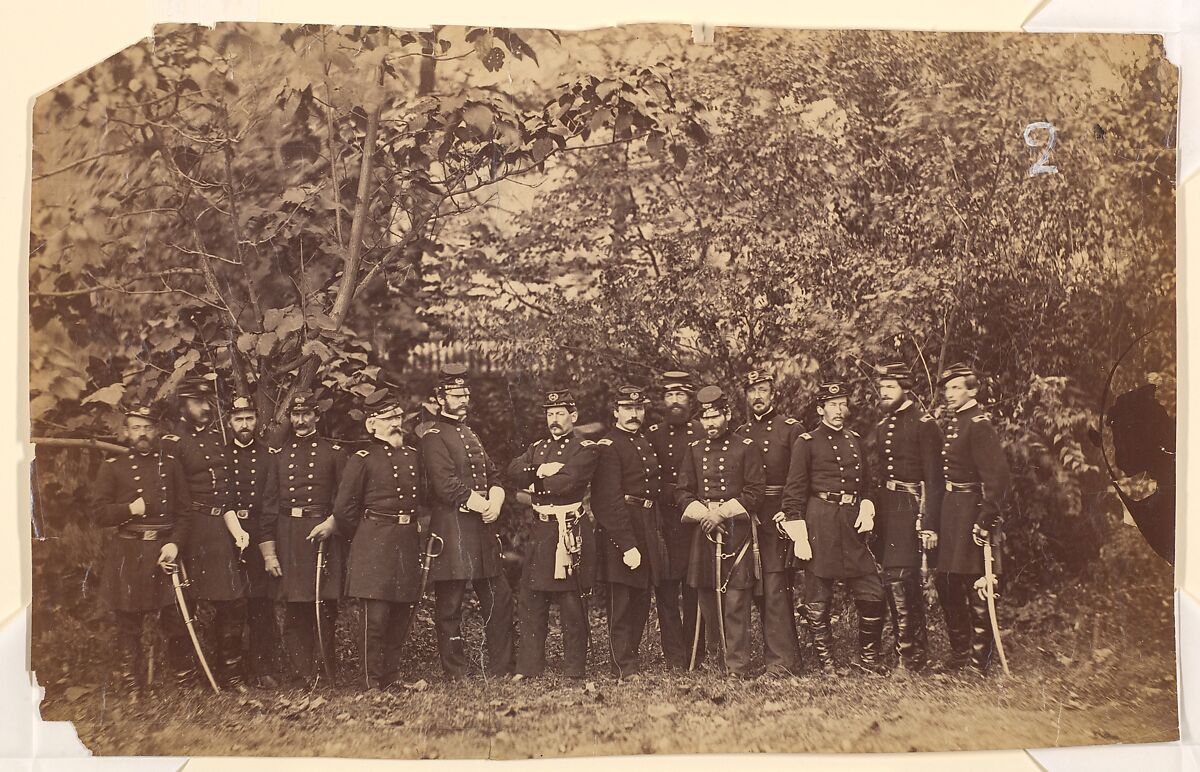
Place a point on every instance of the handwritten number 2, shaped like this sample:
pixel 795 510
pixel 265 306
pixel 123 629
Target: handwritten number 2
pixel 1040 166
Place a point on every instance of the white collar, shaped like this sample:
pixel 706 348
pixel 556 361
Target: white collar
pixel 970 403
pixel 238 442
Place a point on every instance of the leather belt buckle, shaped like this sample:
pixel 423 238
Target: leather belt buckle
pixel 847 498
pixel 149 535
pixel 242 514
pixel 296 512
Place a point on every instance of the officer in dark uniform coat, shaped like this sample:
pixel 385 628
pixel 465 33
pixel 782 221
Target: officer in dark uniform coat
pixel 721 482
pixel 247 456
pixel 629 535
pixel 827 487
pixel 302 478
pixel 214 553
pixel 670 440
pixel 774 435
pixel 143 496
pixel 555 474
pixel 381 489
pixel 978 486
pixel 908 485
pixel 466 502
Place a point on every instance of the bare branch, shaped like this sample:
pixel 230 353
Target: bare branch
pixel 71 442
pixel 81 162
pixel 117 288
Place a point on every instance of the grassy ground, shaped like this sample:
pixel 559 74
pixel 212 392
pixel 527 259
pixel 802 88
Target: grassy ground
pixel 1093 663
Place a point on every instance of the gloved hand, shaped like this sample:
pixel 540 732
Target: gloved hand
pixel 929 539
pixel 979 534
pixel 549 468
pixel 866 516
pixel 240 538
pixel 270 561
pixel 632 558
pixel 476 502
pixel 322 530
pixel 167 556
pixel 981 586
pixel 137 507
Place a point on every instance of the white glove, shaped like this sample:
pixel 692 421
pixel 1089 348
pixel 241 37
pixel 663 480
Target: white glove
pixel 632 558
pixel 167 556
pixel 476 502
pixel 137 506
pixel 549 468
pixel 240 538
pixel 866 516
pixel 694 512
pixel 322 530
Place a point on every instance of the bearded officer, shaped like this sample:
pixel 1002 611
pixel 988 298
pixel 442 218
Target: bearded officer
pixel 555 474
pixel 302 477
pixel 143 496
pixel 721 482
pixel 908 453
pixel 826 487
pixel 626 490
pixel 670 440
pixel 978 486
pixel 466 500
pixel 218 538
pixel 775 435
pixel 247 457
pixel 381 489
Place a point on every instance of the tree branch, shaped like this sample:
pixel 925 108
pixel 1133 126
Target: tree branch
pixel 81 162
pixel 115 288
pixel 70 442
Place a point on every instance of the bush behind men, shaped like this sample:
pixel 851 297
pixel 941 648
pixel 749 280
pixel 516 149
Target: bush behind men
pixel 300 498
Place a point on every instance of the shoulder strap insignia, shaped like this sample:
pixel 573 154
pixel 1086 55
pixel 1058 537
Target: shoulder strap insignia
pixel 980 417
pixel 694 443
pixel 587 443
pixel 336 446
pixel 363 453
pixel 747 441
pixel 790 421
pixel 275 450
pixel 171 437
pixel 431 430
pixel 653 428
pixel 604 441
pixel 806 436
pixel 744 427
pixel 854 433
pixel 110 459
pixel 925 418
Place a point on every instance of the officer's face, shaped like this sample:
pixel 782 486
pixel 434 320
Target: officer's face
pixel 630 417
pixel 303 421
pixel 890 394
pixel 560 421
pixel 957 393
pixel 388 428
pixel 244 424
pixel 455 403
pixel 759 397
pixel 197 411
pixel 678 404
pixel 835 411
pixel 141 433
pixel 714 425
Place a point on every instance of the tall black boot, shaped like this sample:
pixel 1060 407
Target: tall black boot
pixel 230 623
pixel 982 643
pixel 870 634
pixel 894 592
pixel 900 603
pixel 817 614
pixel 918 654
pixel 952 595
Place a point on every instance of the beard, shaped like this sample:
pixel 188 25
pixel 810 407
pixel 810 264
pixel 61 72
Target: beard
pixel 143 445
pixel 244 436
pixel 890 405
pixel 676 414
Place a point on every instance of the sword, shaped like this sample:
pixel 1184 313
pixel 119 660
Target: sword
pixel 720 605
pixel 426 563
pixel 988 591
pixel 317 605
pixel 927 587
pixel 695 637
pixel 187 621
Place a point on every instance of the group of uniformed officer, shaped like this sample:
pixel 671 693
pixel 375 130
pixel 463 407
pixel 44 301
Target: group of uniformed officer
pixel 693 513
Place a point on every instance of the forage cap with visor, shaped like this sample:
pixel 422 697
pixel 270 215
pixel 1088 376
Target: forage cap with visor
pixel 453 380
pixel 302 400
pixel 893 371
pixel 712 401
pixel 956 370
pixel 382 404
pixel 759 376
pixel 631 395
pixel 677 380
pixel 196 387
pixel 559 398
pixel 136 407
pixel 831 390
pixel 241 403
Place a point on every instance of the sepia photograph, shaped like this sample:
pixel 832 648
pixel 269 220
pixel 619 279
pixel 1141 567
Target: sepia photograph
pixel 474 392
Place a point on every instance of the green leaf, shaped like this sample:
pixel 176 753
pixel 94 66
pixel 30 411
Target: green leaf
pixel 479 117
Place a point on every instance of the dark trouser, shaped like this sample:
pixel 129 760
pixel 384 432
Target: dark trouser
pixel 383 624
pixel 628 610
pixel 676 646
pixel 906 599
pixel 968 625
pixel 735 605
pixel 223 639
pixel 263 634
pixel 777 612
pixel 300 645
pixel 867 591
pixel 181 659
pixel 496 605
pixel 535 613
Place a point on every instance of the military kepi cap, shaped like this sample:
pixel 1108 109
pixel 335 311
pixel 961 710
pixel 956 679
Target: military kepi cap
pixel 631 395
pixel 832 390
pixel 893 371
pixel 956 370
pixel 453 379
pixel 759 376
pixel 135 407
pixel 559 398
pixel 302 400
pixel 382 404
pixel 677 380
pixel 196 387
pixel 712 401
pixel 241 403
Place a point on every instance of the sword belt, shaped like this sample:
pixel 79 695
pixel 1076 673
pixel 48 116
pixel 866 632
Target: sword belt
pixel 550 512
pixel 904 487
pixel 143 532
pixel 400 518
pixel 640 502
pixel 964 487
pixel 308 512
pixel 773 490
pixel 837 497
